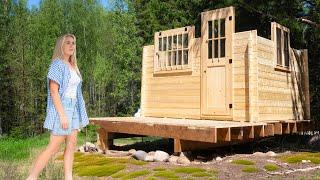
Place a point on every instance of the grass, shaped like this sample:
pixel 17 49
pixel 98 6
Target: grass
pixel 243 162
pixel 297 158
pixel 200 174
pixel 271 167
pixel 166 174
pixel 250 169
pixel 188 170
pixel 135 174
pixel 159 169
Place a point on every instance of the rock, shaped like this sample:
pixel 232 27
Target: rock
pixel 218 158
pixel 183 159
pixel 81 149
pixel 100 151
pixel 89 144
pixel 173 159
pixel 117 153
pixel 259 154
pixel 151 153
pixel 132 151
pixel 271 154
pixel 314 141
pixel 305 161
pixel 149 158
pixel 161 156
pixel 140 155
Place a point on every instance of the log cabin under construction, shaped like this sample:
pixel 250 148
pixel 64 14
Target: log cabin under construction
pixel 222 88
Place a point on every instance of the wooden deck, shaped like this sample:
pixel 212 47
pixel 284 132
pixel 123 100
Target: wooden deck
pixel 191 134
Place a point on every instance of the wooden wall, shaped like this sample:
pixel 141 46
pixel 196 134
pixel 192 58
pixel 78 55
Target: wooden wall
pixel 282 94
pixel 175 95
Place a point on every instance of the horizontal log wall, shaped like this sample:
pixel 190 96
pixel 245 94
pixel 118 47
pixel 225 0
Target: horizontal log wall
pixel 279 91
pixel 171 95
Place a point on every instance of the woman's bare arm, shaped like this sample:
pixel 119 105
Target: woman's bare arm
pixel 54 92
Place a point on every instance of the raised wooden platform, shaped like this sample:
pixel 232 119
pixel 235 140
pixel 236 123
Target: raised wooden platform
pixel 191 134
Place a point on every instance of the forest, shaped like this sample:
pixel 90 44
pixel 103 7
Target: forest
pixel 109 48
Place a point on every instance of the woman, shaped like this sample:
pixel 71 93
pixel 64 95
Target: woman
pixel 66 112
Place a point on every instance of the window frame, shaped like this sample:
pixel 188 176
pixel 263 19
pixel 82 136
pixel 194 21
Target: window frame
pixel 162 65
pixel 285 54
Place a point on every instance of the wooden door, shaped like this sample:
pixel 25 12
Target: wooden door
pixel 216 63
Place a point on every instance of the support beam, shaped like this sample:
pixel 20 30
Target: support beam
pixel 248 132
pixel 223 134
pixel 177 146
pixel 277 128
pixel 258 131
pixel 237 133
pixel 269 130
pixel 285 128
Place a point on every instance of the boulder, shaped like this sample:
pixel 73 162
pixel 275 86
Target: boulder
pixel 140 155
pixel 161 156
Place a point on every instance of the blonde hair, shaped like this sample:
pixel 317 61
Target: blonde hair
pixel 58 51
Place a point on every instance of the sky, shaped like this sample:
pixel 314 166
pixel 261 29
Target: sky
pixel 31 3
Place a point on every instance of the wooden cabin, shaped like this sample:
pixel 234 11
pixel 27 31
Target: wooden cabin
pixel 221 88
pixel 224 75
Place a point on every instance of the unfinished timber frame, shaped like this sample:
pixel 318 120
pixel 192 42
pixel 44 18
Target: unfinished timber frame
pixel 221 88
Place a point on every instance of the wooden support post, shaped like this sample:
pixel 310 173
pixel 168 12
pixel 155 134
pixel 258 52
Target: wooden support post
pixel 258 131
pixel 105 139
pixel 177 146
pixel 293 127
pixel 285 128
pixel 248 132
pixel 223 134
pixel 236 133
pixel 269 130
pixel 277 128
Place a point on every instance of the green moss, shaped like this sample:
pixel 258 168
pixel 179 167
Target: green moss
pixel 151 178
pixel 135 174
pixel 136 162
pixel 119 174
pixel 159 169
pixel 104 170
pixel 200 174
pixel 271 167
pixel 250 169
pixel 166 174
pixel 243 162
pixel 188 170
pixel 297 158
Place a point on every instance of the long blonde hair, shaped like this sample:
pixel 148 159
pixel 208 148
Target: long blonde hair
pixel 58 51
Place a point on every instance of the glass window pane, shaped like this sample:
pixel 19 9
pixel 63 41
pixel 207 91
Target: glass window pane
pixel 222 47
pixel 174 58
pixel 215 48
pixel 279 55
pixel 179 60
pixel 179 41
pixel 210 29
pixel 286 49
pixel 160 44
pixel 169 58
pixel 222 27
pixel 185 57
pixel 169 42
pixel 185 40
pixel 210 49
pixel 174 44
pixel 165 43
pixel 215 30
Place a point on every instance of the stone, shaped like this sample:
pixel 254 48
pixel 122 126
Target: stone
pixel 81 149
pixel 161 156
pixel 173 159
pixel 149 158
pixel 89 144
pixel 218 158
pixel 151 153
pixel 271 153
pixel 183 160
pixel 140 155
pixel 305 161
pixel 132 151
pixel 259 154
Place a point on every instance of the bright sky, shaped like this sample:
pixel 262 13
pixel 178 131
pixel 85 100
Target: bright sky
pixel 31 3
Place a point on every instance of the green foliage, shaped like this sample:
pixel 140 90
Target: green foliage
pixel 297 158
pixel 166 174
pixel 271 167
pixel 135 174
pixel 189 170
pixel 250 169
pixel 242 162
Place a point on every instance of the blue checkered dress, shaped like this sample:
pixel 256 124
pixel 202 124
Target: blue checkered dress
pixel 60 73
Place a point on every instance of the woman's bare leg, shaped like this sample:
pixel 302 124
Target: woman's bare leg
pixel 71 143
pixel 43 158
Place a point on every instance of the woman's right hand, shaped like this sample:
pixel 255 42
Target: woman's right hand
pixel 64 122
